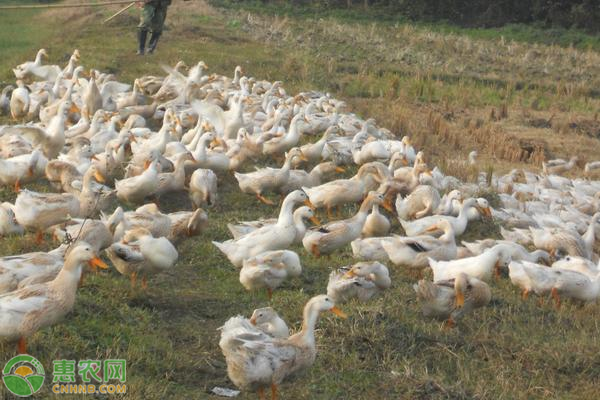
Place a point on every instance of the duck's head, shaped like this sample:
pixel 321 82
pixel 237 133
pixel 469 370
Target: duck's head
pixel 323 303
pixel 483 206
pixel 307 213
pixel 83 253
pixel 299 196
pixel 367 270
pixel 296 152
pixel 263 315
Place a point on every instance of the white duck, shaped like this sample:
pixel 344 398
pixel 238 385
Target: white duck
pixel 300 215
pixel 267 320
pixel 452 299
pixel 277 237
pixel 139 253
pixel 481 267
pixel 203 188
pixel 459 224
pixel 136 189
pixel 362 281
pixel 414 252
pixel 27 310
pixel 256 361
pixel 327 238
pixel 268 270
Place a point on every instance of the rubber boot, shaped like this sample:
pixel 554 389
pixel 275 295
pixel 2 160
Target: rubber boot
pixel 142 34
pixel 153 42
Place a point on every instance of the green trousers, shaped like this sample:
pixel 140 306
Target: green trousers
pixel 153 16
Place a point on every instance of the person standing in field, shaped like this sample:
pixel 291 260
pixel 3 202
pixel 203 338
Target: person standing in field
pixel 152 20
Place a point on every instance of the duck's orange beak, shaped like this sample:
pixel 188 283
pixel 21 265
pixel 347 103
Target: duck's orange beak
pixel 99 177
pixel 460 298
pixel 315 220
pixel 340 170
pixel 350 274
pixel 309 204
pixel 338 312
pixel 253 321
pixel 432 228
pixel 387 204
pixel 96 262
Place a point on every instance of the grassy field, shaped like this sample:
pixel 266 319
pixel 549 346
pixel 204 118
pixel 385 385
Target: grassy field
pixel 515 102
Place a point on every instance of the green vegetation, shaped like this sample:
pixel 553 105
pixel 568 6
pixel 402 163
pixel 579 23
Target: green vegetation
pixel 438 87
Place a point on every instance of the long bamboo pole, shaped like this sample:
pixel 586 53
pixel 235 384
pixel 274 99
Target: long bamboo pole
pixel 121 11
pixel 62 5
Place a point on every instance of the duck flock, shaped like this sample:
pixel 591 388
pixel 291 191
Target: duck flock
pixel 104 147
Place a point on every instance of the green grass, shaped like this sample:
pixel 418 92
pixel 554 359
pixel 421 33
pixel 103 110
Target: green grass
pixel 386 349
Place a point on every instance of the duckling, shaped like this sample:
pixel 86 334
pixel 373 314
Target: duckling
pixel 269 270
pixel 267 320
pixel 27 310
pixel 361 281
pixel 452 299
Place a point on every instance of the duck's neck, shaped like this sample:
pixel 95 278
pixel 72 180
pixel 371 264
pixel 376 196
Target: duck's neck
pixel 38 58
pixel 589 237
pixel 299 223
pixel 287 164
pixel 179 171
pixel 448 236
pixel 307 334
pixel 286 212
pixel 363 211
pixel 68 277
pixel 201 148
